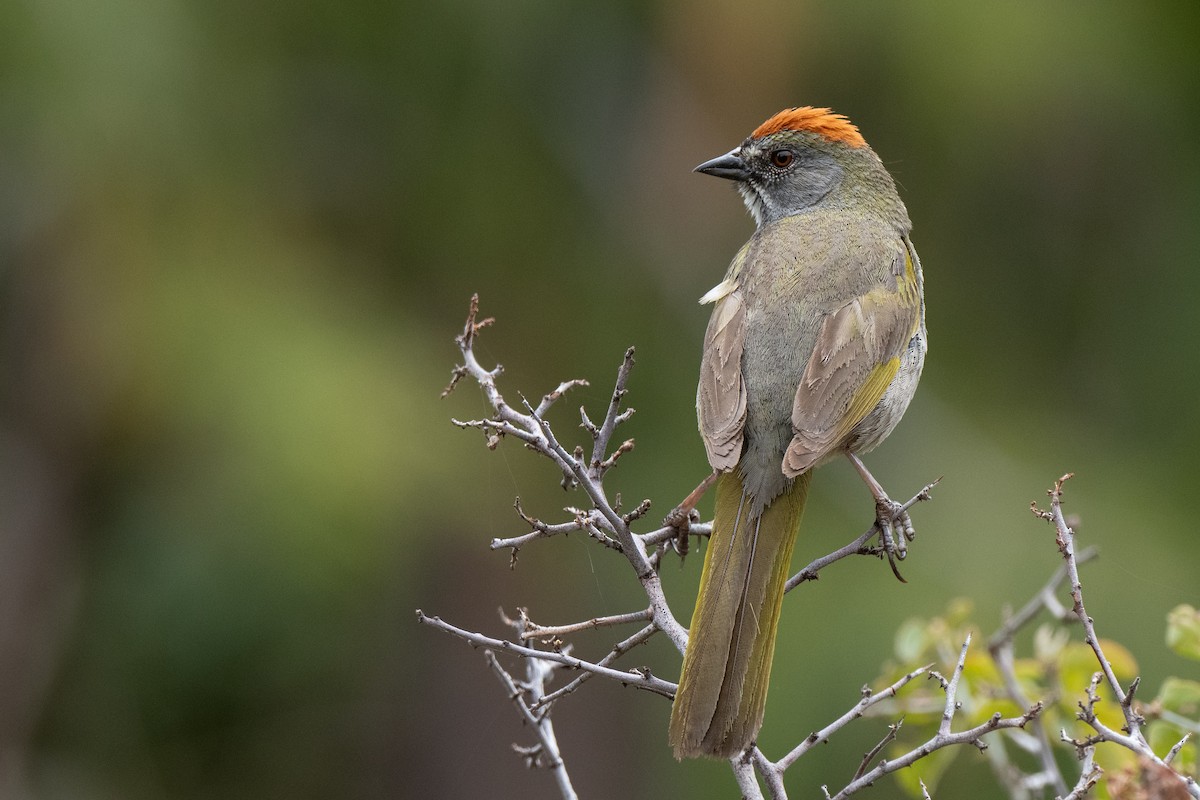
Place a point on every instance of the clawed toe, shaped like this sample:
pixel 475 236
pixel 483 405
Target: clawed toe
pixel 683 515
pixel 895 532
pixel 681 518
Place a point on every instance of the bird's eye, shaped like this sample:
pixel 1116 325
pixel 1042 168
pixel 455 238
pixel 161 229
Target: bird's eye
pixel 782 158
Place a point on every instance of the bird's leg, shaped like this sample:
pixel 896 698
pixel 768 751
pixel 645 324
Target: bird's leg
pixel 680 517
pixel 895 527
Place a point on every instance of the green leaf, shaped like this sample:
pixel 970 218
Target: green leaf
pixel 1181 696
pixel 1163 736
pixel 911 640
pixel 1183 631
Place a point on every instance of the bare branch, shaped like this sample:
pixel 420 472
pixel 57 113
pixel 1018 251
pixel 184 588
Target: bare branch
pixel 952 690
pixel 743 773
pixel 637 679
pixel 810 572
pixel 856 547
pixel 620 649
pixel 604 523
pixel 562 389
pixel 541 530
pixel 942 738
pixel 1088 778
pixel 771 775
pixel 972 736
pixel 869 756
pixel 1132 737
pixel 547 753
pixel 532 631
pixel 612 419
pixel 668 533
pixel 1170 756
pixel 610 462
pixel 868 699
pixel 1066 545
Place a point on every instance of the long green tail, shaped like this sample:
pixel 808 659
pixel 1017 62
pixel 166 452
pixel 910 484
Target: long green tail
pixel 723 687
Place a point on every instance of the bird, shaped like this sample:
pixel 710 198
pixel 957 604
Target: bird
pixel 813 351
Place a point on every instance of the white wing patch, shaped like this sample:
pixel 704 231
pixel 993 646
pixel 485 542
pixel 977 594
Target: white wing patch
pixel 720 290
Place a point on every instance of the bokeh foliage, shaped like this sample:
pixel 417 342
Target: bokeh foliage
pixel 237 240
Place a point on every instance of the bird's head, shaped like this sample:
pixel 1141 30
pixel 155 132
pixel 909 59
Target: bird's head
pixel 794 161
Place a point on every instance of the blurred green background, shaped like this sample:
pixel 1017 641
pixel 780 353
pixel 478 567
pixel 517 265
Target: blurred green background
pixel 236 241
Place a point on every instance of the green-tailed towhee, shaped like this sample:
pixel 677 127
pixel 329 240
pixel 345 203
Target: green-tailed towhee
pixel 814 349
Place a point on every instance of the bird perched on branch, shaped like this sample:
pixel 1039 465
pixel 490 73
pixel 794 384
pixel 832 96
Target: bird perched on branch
pixel 813 351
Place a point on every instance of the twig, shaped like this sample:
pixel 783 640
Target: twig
pixel 620 649
pixel 542 727
pixel 952 690
pixel 604 520
pixel 810 572
pixel 542 530
pixel 599 462
pixel 549 399
pixel 856 547
pixel 1088 778
pixel 1066 543
pixel 532 630
pixel 972 736
pixel 1002 655
pixel 1174 751
pixel 868 699
pixel 771 775
pixel 637 679
pixel 944 737
pixel 869 756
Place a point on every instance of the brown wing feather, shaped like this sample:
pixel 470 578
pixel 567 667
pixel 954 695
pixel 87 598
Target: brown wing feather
pixel 852 364
pixel 721 395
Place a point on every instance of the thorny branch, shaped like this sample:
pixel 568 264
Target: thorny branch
pixel 1131 736
pixel 604 522
pixel 944 737
pixel 869 699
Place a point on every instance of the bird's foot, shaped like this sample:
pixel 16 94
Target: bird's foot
pixel 681 518
pixel 895 531
pixel 891 518
pixel 683 515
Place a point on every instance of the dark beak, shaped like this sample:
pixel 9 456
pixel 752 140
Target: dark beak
pixel 728 166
